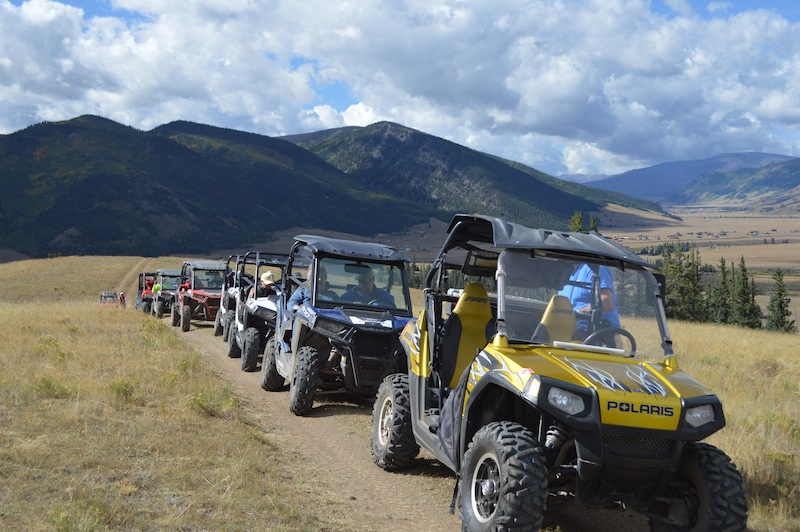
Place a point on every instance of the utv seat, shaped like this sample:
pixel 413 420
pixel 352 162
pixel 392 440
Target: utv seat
pixel 469 328
pixel 558 322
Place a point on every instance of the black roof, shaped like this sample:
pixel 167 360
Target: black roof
pixel 503 234
pixel 206 264
pixel 168 273
pixel 350 248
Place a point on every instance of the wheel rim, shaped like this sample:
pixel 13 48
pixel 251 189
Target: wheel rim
pixel 385 421
pixel 485 487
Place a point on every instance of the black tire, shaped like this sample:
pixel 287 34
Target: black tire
pixel 159 309
pixel 175 317
pixel 186 317
pixel 218 324
pixel 303 385
pixel 226 325
pixel 147 306
pixel 503 484
pixel 250 349
pixel 392 440
pixel 271 380
pixel 234 351
pixel 708 490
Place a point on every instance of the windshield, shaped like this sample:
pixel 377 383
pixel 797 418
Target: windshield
pixel 170 282
pixel 208 279
pixel 550 299
pixel 344 281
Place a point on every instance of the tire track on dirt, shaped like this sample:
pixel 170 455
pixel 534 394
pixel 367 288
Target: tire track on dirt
pixel 133 273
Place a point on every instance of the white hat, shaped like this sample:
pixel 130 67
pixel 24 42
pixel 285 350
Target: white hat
pixel 267 278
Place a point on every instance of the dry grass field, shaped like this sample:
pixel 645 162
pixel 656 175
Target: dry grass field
pixel 111 421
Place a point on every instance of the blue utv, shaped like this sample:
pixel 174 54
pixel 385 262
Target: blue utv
pixel 340 314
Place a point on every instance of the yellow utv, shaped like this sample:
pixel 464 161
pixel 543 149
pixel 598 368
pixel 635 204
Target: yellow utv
pixel 541 371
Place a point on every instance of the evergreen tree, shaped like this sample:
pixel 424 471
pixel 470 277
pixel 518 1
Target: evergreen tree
pixel 685 297
pixel 720 304
pixel 744 309
pixel 593 224
pixel 576 222
pixel 778 313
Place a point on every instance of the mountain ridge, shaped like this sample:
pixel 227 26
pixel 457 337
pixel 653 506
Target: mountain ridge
pixel 92 186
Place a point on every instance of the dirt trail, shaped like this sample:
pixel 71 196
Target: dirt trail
pixel 332 447
pixel 130 281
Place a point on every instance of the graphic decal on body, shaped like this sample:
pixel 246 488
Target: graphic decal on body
pixel 650 385
pixel 599 376
pixel 485 363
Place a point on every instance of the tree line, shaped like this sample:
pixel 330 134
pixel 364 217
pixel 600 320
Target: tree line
pixel 729 299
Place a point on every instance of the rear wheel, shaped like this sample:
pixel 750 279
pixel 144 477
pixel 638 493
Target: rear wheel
pixel 393 443
pixel 271 380
pixel 250 349
pixel 303 384
pixel 707 494
pixel 159 312
pixel 146 307
pixel 234 351
pixel 503 481
pixel 186 317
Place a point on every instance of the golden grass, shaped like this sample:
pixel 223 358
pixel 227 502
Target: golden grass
pixel 756 375
pixel 110 420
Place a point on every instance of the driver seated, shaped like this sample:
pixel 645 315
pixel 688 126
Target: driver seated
pixel 579 292
pixel 366 293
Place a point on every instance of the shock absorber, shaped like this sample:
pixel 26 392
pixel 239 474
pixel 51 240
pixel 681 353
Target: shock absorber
pixel 556 436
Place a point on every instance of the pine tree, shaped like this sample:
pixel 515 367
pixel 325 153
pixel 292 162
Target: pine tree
pixel 576 222
pixel 720 304
pixel 778 313
pixel 593 224
pixel 744 309
pixel 685 297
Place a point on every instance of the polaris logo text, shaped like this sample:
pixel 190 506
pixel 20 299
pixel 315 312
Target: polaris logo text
pixel 653 410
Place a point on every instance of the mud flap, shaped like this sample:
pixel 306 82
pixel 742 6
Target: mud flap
pixel 450 427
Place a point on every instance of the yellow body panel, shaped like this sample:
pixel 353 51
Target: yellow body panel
pixel 631 392
pixel 419 359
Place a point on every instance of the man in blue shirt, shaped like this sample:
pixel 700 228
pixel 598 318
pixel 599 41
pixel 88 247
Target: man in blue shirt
pixel 366 293
pixel 579 292
pixel 302 294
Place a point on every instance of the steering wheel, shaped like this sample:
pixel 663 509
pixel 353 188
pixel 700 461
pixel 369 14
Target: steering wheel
pixel 373 302
pixel 606 335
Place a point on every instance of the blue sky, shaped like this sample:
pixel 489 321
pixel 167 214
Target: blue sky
pixel 566 86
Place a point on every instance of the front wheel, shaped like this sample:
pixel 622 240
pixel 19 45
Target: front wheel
pixel 186 317
pixel 159 309
pixel 174 314
pixel 503 482
pixel 393 444
pixel 707 494
pixel 303 384
pixel 271 380
pixel 250 349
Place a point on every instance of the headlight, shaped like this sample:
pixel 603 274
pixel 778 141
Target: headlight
pixel 565 401
pixel 700 415
pixel 330 326
pixel 265 314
